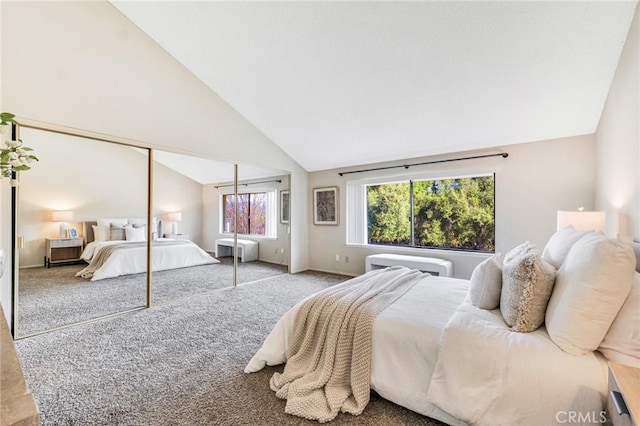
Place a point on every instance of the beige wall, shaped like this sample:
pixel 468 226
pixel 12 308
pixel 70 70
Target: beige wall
pixel 618 144
pixel 535 181
pixel 95 180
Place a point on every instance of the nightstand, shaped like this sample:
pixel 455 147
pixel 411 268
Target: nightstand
pixel 177 236
pixel 623 403
pixel 62 250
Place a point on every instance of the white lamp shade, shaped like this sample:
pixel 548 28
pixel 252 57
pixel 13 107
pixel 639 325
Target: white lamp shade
pixel 582 221
pixel 174 217
pixel 62 215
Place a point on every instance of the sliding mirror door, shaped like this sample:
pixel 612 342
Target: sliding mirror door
pixel 262 225
pixel 183 257
pixel 75 209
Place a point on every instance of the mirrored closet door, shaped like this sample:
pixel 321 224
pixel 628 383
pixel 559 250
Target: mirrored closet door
pixel 103 227
pixel 185 210
pixel 82 199
pixel 262 226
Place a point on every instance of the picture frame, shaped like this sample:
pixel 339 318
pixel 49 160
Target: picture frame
pixel 325 205
pixel 73 233
pixel 284 207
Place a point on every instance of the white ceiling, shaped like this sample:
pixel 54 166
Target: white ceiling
pixel 207 171
pixel 343 83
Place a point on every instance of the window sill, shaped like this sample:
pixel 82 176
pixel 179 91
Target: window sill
pixel 420 251
pixel 248 237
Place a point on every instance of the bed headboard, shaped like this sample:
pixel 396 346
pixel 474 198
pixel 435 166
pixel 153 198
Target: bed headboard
pixel 87 231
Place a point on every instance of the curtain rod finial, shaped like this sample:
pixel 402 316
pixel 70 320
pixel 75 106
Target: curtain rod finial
pixel 505 154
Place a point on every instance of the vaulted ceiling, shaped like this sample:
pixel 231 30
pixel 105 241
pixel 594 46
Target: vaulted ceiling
pixel 343 83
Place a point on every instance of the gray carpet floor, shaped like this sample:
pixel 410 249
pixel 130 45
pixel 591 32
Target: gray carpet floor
pixel 180 363
pixel 53 297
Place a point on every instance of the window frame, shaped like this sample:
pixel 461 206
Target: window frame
pixel 357 209
pixel 271 212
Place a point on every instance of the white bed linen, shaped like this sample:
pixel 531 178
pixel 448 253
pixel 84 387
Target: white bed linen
pixel 489 375
pixel 91 248
pixel 405 334
pixel 134 260
pixel 478 371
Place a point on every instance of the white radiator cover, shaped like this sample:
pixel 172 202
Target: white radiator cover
pixel 441 267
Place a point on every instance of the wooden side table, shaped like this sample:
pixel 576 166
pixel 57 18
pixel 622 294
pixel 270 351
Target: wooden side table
pixel 62 250
pixel 623 403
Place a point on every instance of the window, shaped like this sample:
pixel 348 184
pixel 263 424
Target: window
pixel 453 213
pixel 252 213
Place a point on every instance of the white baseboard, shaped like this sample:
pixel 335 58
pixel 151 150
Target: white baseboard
pixel 329 271
pixel 273 262
pixel 40 265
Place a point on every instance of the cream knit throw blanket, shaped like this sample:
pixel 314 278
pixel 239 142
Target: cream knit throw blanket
pixel 329 357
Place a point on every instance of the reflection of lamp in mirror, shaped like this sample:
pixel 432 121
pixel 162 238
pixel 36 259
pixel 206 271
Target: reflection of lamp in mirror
pixel 62 216
pixel 581 220
pixel 175 218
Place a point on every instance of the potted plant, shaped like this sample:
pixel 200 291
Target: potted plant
pixel 14 156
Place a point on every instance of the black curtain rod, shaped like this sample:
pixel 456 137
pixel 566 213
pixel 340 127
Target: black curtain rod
pixel 250 183
pixel 406 166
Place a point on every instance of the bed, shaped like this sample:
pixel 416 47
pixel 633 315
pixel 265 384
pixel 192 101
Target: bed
pixel 435 352
pixel 113 257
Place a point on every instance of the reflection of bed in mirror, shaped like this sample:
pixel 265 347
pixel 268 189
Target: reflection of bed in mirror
pixel 117 247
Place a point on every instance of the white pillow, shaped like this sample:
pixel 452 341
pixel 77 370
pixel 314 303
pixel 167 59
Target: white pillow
pixel 104 227
pixel 486 283
pixel 622 342
pixel 96 233
pixel 558 246
pixel 142 221
pixel 135 234
pixel 591 286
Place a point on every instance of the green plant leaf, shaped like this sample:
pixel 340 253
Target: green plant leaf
pixel 6 118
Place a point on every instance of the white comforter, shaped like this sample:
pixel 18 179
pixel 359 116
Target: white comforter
pixel 134 261
pixel 436 354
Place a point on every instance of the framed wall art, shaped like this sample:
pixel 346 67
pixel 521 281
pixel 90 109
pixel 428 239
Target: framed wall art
pixel 284 206
pixel 325 206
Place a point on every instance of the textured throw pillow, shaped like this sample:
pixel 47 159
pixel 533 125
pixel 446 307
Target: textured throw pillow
pixel 104 227
pixel 622 341
pixel 134 233
pixel 591 286
pixel 558 246
pixel 116 233
pixel 486 283
pixel 527 282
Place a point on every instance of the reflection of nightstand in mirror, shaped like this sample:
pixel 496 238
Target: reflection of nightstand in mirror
pixel 623 405
pixel 62 250
pixel 177 236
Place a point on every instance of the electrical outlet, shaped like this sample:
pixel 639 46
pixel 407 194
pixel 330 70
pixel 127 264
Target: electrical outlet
pixel 282 250
pixel 337 258
pixel 275 251
pixel 346 259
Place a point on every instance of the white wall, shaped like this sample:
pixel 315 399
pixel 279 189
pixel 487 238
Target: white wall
pixel 535 181
pixel 94 180
pixel 84 65
pixel 618 144
pixel 211 200
pixel 174 192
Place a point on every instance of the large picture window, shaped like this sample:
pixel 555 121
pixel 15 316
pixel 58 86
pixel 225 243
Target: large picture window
pixel 252 213
pixel 455 213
